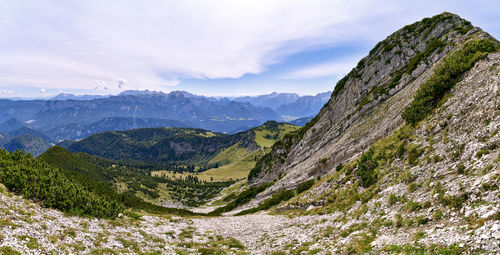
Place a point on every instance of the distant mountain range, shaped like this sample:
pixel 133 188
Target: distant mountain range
pixel 68 96
pixel 69 116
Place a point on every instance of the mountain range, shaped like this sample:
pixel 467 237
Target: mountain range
pixel 77 116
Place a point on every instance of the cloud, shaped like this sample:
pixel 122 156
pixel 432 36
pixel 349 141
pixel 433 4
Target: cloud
pixel 101 85
pixel 121 82
pixel 334 68
pixel 42 90
pixel 4 91
pixel 158 43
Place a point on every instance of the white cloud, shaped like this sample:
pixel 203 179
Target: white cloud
pixel 154 44
pixel 157 43
pixel 334 68
pixel 42 90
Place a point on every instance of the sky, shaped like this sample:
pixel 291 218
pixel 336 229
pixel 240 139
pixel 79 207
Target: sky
pixel 212 47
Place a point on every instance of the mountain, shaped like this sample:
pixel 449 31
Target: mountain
pixel 197 112
pixel 300 121
pixel 22 110
pixel 304 106
pixel 4 139
pixel 78 131
pixel 409 137
pixel 28 143
pixel 10 125
pixel 273 100
pixel 139 92
pixel 172 147
pixel 69 96
pixel 30 131
pixel 68 116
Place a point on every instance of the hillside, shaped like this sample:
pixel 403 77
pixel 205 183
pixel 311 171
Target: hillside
pixel 168 166
pixel 412 131
pixel 181 149
pixel 28 143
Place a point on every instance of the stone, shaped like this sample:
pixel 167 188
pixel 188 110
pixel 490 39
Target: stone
pixel 488 214
pixel 310 208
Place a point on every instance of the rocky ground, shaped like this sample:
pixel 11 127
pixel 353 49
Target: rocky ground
pixel 27 228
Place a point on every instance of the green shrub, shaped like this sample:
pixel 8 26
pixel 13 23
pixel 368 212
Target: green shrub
pixel 401 149
pixel 304 186
pixel 398 221
pixel 35 179
pixel 278 197
pixel 340 166
pixel 482 152
pixel 413 206
pixel 412 187
pixel 438 215
pixel 241 199
pixel 322 161
pixel 366 169
pixel 392 199
pixel 414 154
pixel 7 250
pixel 444 78
pixel 460 168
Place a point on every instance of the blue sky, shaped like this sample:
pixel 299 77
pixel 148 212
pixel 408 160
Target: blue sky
pixel 215 48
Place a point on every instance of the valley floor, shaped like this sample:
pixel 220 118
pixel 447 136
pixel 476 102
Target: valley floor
pixel 27 228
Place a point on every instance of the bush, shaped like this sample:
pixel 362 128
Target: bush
pixel 413 206
pixel 444 78
pixel 241 199
pixel 414 154
pixel 304 186
pixel 35 179
pixel 278 197
pixel 366 169
pixel 393 199
pixel 438 215
pixel 482 152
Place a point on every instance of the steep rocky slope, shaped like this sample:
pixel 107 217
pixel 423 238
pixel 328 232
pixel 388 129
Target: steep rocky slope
pixel 367 104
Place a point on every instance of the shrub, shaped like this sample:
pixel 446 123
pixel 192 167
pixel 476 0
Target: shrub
pixel 482 152
pixel 413 206
pixel 393 199
pixel 241 199
pixel 460 168
pixel 278 197
pixel 35 179
pixel 366 169
pixel 322 161
pixel 414 154
pixel 438 215
pixel 304 186
pixel 401 149
pixel 340 166
pixel 444 78
pixel 412 187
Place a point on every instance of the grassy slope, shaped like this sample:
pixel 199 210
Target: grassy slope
pixel 235 162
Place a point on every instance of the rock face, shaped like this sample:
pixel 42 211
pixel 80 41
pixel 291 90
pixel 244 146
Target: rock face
pixel 366 105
